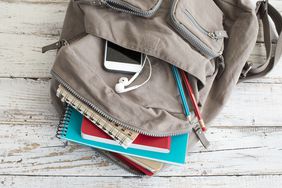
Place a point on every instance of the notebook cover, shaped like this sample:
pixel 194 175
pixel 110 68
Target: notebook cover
pixel 90 131
pixel 176 155
pixel 121 135
pixel 133 164
pixel 153 166
pixel 122 163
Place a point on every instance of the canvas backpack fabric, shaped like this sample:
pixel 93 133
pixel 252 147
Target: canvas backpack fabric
pixel 165 30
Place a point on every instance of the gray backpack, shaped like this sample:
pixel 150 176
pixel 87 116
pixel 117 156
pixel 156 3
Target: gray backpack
pixel 210 40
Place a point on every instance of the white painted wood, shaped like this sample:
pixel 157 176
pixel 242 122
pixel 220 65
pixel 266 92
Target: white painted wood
pixel 28 145
pixel 20 56
pixel 27 102
pixel 32 19
pixel 31 156
pixel 252 104
pixel 263 181
pixel 34 150
pixel 23 58
pixel 22 35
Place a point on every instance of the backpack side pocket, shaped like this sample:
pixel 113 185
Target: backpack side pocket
pixel 201 24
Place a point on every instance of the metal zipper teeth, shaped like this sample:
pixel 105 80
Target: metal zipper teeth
pixel 130 9
pixel 62 130
pixel 189 36
pixel 196 24
pixel 109 117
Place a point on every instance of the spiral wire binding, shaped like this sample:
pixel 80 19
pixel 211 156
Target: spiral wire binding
pixel 62 127
pixel 122 138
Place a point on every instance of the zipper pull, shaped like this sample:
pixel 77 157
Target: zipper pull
pixel 54 46
pixel 218 34
pixel 201 135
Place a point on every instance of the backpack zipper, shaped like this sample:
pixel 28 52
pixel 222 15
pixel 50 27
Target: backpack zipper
pixel 60 43
pixel 193 124
pixel 215 35
pixel 109 117
pixel 189 36
pixel 201 136
pixel 55 46
pixel 122 6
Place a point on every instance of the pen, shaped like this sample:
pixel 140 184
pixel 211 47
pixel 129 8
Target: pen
pixel 193 100
pixel 181 91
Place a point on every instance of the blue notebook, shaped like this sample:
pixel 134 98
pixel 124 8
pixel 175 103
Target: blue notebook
pixel 70 130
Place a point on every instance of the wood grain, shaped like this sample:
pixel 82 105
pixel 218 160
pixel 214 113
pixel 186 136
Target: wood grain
pixel 22 35
pixel 34 150
pixel 245 139
pixel 28 102
pixel 33 19
pixel 263 181
pixel 28 123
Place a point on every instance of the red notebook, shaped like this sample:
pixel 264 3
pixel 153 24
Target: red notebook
pixel 90 131
pixel 132 164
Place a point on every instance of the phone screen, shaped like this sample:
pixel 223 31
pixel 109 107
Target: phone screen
pixel 117 53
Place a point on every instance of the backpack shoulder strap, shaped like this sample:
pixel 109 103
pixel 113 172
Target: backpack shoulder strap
pixel 273 44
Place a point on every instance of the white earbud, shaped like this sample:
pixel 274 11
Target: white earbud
pixel 123 81
pixel 120 88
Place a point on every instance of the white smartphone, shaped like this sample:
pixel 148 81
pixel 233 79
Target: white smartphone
pixel 119 59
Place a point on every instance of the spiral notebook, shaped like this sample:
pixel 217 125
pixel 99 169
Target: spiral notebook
pixel 123 136
pixel 70 130
pixel 144 142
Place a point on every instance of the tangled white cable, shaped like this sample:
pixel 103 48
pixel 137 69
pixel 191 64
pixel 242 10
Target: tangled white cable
pixel 123 82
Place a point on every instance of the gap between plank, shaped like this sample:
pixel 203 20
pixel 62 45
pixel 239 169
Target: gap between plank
pixel 133 176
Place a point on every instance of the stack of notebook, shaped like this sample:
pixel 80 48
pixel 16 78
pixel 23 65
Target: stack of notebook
pixel 137 152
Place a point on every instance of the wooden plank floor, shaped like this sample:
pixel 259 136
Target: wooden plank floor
pixel 246 139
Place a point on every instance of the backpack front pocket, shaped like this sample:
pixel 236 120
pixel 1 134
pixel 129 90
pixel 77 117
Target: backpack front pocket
pixel 200 22
pixel 153 109
pixel 144 8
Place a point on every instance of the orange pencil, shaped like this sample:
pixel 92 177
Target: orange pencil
pixel 193 100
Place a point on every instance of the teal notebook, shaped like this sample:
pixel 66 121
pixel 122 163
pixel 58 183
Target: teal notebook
pixel 70 130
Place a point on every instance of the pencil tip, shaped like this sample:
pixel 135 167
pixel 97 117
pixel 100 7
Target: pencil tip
pixel 189 118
